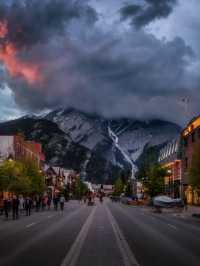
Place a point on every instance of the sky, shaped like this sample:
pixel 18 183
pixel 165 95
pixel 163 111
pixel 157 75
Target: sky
pixel 116 58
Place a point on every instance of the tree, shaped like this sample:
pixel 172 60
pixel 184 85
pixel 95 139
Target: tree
pixel 20 185
pixel 147 159
pixel 129 189
pixel 36 177
pixel 79 188
pixel 155 181
pixel 6 175
pixel 118 187
pixel 194 171
pixel 21 177
pixel 13 177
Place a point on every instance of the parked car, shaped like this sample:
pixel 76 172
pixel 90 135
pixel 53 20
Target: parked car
pixel 126 200
pixel 167 202
pixel 115 198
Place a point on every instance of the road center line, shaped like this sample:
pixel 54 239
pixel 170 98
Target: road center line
pixel 30 225
pixel 74 252
pixel 127 255
pixel 172 226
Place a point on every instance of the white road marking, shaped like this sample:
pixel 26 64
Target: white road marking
pixel 74 252
pixel 30 225
pixel 127 255
pixel 172 226
pixel 50 216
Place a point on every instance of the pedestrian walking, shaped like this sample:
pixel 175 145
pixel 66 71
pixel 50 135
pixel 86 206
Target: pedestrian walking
pixel 185 203
pixel 6 207
pixel 55 202
pixel 1 206
pixel 28 206
pixel 21 204
pixel 15 207
pixel 44 202
pixel 62 202
pixel 84 198
pixel 37 203
pixel 49 202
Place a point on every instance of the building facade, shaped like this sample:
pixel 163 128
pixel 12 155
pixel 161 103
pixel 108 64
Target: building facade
pixel 58 178
pixel 190 137
pixel 17 148
pixel 169 158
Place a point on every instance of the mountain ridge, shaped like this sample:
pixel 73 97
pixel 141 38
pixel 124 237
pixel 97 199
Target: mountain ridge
pixel 107 146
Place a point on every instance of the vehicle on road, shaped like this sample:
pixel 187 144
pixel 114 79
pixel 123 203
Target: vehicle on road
pixel 167 202
pixel 115 198
pixel 126 200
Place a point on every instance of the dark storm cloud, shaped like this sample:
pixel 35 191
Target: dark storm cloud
pixel 141 15
pixel 97 67
pixel 32 21
pixel 136 76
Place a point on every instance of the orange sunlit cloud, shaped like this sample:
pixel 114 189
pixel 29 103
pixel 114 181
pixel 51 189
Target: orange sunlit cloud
pixel 15 66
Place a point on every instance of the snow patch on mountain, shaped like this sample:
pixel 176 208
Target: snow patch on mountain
pixel 82 129
pixel 119 141
pixel 115 139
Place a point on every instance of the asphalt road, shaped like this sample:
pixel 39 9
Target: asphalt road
pixel 109 234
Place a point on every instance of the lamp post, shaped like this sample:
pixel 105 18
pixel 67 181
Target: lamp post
pixel 169 172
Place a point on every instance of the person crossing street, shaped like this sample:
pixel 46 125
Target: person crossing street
pixel 28 206
pixel 6 207
pixel 15 207
pixel 62 202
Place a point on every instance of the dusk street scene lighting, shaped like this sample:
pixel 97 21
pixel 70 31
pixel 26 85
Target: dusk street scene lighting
pixel 99 133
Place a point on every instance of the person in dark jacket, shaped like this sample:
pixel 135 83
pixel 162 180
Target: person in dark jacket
pixel 55 202
pixel 49 202
pixel 6 207
pixel 38 202
pixel 185 202
pixel 62 202
pixel 28 205
pixel 15 207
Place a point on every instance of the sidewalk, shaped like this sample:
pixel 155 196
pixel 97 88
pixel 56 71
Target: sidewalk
pixel 178 212
pixel 193 209
pixel 188 214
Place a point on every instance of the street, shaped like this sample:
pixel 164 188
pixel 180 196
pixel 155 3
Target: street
pixel 110 234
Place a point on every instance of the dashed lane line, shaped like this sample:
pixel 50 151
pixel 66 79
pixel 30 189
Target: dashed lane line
pixel 72 256
pixel 30 225
pixel 50 216
pixel 127 255
pixel 172 226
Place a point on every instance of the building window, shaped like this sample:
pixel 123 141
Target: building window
pixel 185 141
pixel 199 133
pixel 193 136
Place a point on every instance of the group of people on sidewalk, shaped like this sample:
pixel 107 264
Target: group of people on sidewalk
pixel 19 205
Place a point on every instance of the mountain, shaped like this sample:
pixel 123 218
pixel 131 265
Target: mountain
pixel 58 147
pixel 119 141
pixel 100 148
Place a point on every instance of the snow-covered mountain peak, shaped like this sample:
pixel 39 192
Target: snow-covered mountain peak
pixel 132 135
